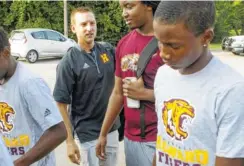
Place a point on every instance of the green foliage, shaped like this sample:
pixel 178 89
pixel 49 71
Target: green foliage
pixel 4 11
pixel 229 19
pixel 49 14
pixel 111 27
pixel 215 46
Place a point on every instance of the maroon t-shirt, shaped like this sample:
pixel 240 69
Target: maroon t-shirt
pixel 127 54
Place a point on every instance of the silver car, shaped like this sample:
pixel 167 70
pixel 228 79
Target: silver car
pixel 238 50
pixel 36 43
pixel 238 45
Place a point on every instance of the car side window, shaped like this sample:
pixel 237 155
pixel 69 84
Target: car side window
pixel 53 36
pixel 62 38
pixel 38 35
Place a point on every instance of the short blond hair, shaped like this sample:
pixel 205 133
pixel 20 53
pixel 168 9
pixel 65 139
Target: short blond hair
pixel 79 10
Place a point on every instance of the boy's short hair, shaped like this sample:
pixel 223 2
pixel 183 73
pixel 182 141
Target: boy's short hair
pixel 196 15
pixel 153 4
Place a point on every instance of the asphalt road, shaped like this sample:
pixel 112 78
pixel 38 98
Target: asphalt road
pixel 47 70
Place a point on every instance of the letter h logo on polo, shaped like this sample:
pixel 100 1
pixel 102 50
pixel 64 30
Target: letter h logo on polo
pixel 104 58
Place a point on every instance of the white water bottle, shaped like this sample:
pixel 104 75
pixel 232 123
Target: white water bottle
pixel 132 103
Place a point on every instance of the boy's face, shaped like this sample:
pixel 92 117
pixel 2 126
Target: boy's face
pixel 179 48
pixel 135 13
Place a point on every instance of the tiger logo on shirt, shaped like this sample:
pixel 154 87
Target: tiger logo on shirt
pixel 7 114
pixel 129 62
pixel 177 114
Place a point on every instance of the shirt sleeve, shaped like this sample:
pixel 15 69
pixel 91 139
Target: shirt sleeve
pixel 64 81
pixel 230 114
pixel 40 103
pixel 117 61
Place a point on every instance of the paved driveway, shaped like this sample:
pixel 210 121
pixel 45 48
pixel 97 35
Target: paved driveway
pixel 46 68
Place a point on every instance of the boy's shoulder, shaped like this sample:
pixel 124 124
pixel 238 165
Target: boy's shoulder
pixel 126 37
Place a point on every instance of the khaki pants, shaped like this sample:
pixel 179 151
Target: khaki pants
pixel 88 151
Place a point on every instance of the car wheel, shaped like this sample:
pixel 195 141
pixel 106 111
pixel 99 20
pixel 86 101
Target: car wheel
pixel 32 56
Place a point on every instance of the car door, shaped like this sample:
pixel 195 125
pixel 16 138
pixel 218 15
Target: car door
pixel 55 43
pixel 40 43
pixel 65 44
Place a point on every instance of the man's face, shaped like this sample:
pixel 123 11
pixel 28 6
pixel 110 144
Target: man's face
pixel 134 13
pixel 4 64
pixel 85 27
pixel 179 48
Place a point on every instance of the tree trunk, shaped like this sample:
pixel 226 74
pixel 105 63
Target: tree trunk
pixel 242 27
pixel 236 30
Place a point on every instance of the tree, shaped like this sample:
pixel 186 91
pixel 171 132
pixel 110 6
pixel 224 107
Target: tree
pixel 229 16
pixel 111 27
pixel 36 14
pixel 4 14
pixel 49 14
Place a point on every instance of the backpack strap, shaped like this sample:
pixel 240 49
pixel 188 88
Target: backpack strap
pixel 144 59
pixel 146 55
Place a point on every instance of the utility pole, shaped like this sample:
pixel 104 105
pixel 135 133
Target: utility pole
pixel 65 19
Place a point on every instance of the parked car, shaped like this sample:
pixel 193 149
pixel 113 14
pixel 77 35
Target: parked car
pixel 233 42
pixel 238 47
pixel 36 43
pixel 225 43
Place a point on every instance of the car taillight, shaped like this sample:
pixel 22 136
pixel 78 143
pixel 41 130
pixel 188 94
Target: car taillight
pixel 25 40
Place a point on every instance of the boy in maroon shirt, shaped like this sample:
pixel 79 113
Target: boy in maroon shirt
pixel 127 55
pixel 139 143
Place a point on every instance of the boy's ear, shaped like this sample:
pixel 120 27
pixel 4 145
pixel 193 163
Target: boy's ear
pixel 6 52
pixel 208 36
pixel 72 27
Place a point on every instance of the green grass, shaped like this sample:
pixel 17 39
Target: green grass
pixel 215 46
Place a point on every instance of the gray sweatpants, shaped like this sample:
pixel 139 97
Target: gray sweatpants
pixel 88 151
pixel 139 153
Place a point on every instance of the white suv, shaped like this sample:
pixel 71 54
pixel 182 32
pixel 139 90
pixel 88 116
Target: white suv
pixel 38 43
